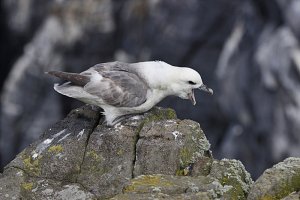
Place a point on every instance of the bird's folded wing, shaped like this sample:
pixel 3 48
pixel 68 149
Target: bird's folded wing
pixel 117 87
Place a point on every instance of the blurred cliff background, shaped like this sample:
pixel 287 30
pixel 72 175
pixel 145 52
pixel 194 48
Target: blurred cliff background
pixel 247 51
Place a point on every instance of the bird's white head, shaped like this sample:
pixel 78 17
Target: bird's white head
pixel 185 81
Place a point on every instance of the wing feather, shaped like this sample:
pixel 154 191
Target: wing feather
pixel 119 86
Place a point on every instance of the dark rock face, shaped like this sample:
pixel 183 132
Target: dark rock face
pixel 260 76
pixel 154 154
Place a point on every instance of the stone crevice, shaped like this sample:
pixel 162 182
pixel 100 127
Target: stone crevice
pixel 137 137
pixel 97 121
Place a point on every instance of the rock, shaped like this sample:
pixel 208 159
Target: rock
pixel 173 187
pixel 292 196
pixel 176 145
pixel 11 182
pixel 16 184
pixel 290 10
pixel 59 152
pixel 232 173
pixel 150 155
pixel 278 182
pixel 263 114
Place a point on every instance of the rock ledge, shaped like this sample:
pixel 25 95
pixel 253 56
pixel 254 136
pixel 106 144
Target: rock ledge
pixel 154 155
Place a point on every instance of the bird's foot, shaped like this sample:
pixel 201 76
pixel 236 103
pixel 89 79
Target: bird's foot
pixel 102 121
pixel 125 117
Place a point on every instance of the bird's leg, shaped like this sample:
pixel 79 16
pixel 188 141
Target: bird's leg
pixel 124 117
pixel 102 120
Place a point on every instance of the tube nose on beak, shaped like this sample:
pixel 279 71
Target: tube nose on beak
pixel 206 89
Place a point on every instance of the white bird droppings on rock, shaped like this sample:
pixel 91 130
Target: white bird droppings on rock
pixel 80 134
pixel 118 126
pixel 20 173
pixel 61 139
pixel 48 141
pixel 176 134
pixel 45 144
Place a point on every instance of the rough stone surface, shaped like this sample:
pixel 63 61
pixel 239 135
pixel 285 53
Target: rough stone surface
pixel 173 187
pixel 278 181
pixel 59 152
pixel 10 185
pixel 292 196
pixel 149 156
pixel 233 173
pixel 165 142
pixel 154 155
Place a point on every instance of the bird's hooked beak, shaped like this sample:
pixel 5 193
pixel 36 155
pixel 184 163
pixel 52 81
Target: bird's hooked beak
pixel 191 96
pixel 206 89
pixel 203 87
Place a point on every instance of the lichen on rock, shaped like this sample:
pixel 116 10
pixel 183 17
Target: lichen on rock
pixel 277 182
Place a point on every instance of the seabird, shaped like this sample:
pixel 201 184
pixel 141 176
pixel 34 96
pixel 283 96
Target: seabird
pixel 123 89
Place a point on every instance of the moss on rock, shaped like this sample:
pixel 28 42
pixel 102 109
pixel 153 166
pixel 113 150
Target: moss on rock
pixel 55 149
pixel 232 173
pixel 278 181
pixel 32 166
pixel 27 186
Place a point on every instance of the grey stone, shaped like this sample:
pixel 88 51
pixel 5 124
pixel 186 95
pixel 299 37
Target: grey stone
pixel 292 196
pixel 40 188
pixel 165 142
pixel 77 158
pixel 176 187
pixel 263 110
pixel 10 182
pixel 59 152
pixel 232 173
pixel 16 184
pixel 278 181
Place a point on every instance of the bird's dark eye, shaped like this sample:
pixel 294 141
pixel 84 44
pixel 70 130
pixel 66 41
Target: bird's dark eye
pixel 192 83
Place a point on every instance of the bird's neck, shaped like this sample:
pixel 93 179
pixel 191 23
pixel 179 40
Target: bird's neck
pixel 159 75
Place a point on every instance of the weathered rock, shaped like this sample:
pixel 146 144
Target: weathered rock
pixel 150 155
pixel 16 184
pixel 233 173
pixel 60 151
pixel 170 152
pixel 292 196
pixel 11 183
pixel 278 181
pixel 263 113
pixel 176 145
pixel 173 187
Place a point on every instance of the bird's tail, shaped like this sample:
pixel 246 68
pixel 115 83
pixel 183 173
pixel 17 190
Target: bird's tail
pixel 77 79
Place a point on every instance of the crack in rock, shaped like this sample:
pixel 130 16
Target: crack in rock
pixel 97 121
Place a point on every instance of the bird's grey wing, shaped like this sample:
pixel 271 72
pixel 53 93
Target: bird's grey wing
pixel 114 66
pixel 118 88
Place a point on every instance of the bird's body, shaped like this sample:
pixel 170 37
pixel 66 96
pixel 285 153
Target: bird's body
pixel 122 89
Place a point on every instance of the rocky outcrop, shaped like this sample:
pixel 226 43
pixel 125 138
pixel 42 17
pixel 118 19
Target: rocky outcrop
pixel 154 155
pixel 150 156
pixel 280 181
